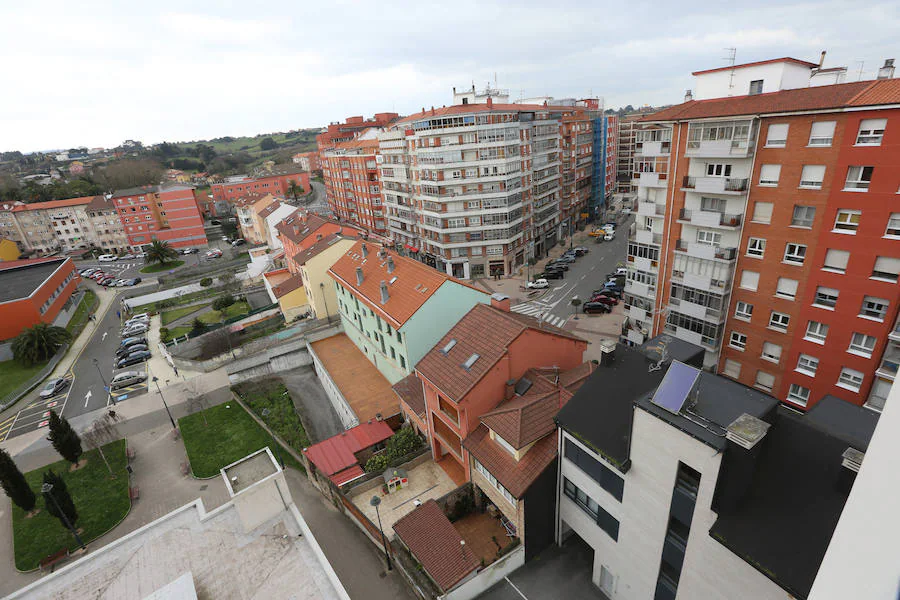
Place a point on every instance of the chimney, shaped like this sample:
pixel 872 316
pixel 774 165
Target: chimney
pixel 490 102
pixel 510 389
pixel 500 302
pixel 887 71
pixel 365 250
pixel 432 110
pixel 384 292
pixel 688 96
pixel 822 59
pixel 607 352
pixel 454 89
pixel 359 276
pixel 390 264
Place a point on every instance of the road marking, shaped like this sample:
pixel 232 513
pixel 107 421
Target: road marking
pixel 87 398
pixel 11 426
pixel 103 337
pixel 515 588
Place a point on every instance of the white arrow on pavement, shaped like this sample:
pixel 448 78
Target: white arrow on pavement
pixel 87 398
pixel 103 337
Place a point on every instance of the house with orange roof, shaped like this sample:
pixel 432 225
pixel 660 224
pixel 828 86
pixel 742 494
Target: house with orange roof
pixel 288 291
pixel 396 308
pixel 301 230
pixel 314 263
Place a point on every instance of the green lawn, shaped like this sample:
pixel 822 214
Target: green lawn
pixel 231 435
pixel 175 314
pixel 101 503
pixel 12 375
pixel 175 332
pixel 282 418
pixel 156 268
pixel 177 301
pixel 78 320
pixel 217 316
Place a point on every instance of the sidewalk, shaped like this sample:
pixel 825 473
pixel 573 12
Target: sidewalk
pixel 106 298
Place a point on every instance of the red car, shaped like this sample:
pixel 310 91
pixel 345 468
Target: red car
pixel 604 300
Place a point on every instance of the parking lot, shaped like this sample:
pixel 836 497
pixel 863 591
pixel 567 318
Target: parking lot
pixel 36 413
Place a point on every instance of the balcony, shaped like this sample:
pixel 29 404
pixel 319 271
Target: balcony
pixel 705 251
pixel 644 236
pixel 718 148
pixel 714 185
pixel 709 218
pixel 651 209
pixel 698 311
pixel 894 335
pixel 651 179
pixel 889 365
pixel 653 149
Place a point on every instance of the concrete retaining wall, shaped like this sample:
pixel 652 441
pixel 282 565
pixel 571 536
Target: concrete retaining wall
pixel 291 355
pixel 487 577
pixel 338 402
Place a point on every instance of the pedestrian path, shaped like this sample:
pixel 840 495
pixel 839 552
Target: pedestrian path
pixel 540 311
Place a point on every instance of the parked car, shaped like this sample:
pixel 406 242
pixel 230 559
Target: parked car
pixel 565 259
pixel 618 271
pixel 551 275
pixel 190 251
pixel 614 287
pixel 135 329
pixel 612 293
pixel 107 258
pixel 126 378
pixel 609 227
pixel 538 284
pixel 225 238
pixel 608 300
pixel 126 350
pixel 562 265
pixel 597 233
pixel 140 255
pixel 86 272
pixel 54 386
pixel 583 249
pixel 126 256
pixel 595 307
pixel 609 237
pixel 141 316
pixel 135 322
pixel 131 341
pixel 133 359
pixel 133 281
pixel 213 254
pixel 559 268
pixel 579 251
pixel 97 275
pixel 238 242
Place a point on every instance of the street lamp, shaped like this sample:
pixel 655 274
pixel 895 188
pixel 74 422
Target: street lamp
pixel 168 412
pixel 103 379
pixel 265 414
pixel 325 300
pixel 375 501
pixel 46 488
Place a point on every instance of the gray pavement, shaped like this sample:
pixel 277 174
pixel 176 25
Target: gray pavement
pixel 316 413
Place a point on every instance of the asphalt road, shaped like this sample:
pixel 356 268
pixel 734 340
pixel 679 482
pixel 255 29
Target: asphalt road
pixel 585 275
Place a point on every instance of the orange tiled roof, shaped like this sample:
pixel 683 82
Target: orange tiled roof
pixel 785 59
pixel 327 242
pixel 287 286
pixel 268 209
pixel 412 393
pixel 55 203
pixel 516 476
pixel 298 225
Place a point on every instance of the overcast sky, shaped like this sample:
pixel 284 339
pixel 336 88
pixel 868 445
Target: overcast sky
pixel 94 74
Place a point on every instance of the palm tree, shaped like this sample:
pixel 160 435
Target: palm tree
pixel 295 189
pixel 38 343
pixel 159 252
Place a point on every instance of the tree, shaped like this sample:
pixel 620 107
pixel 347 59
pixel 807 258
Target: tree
pixel 64 439
pixel 229 282
pixel 223 302
pixel 206 282
pixel 295 189
pixel 38 343
pixel 14 483
pixel 128 173
pixel 197 325
pixel 57 500
pixel 160 252
pixel 103 431
pixel 267 143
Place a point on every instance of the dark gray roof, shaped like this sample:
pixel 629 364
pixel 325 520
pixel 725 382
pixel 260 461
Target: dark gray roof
pixel 849 422
pixel 674 349
pixel 21 281
pixel 135 191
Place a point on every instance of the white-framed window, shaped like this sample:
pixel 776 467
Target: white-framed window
pixel 816 332
pixel 713 204
pixel 493 480
pixel 769 175
pixel 821 133
pixel 718 170
pixel 474 221
pixel 794 253
pixel 870 132
pixel 803 216
pixel 812 176
pixel 862 344
pixel 732 368
pixel 779 321
pixel 756 247
pixel 858 178
pixel 850 379
pixel 749 280
pixel 787 288
pixel 807 364
pixel 893 226
pixel 874 308
pixel 798 394
pixel 756 87
pixel 886 269
pixel 743 311
pixel 847 221
pixel 826 297
pixel 738 341
pixel 836 260
pixel 762 212
pixel 708 238
pixel 771 352
pixel 764 381
pixel 776 136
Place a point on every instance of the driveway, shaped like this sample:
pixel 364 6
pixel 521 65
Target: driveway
pixel 319 418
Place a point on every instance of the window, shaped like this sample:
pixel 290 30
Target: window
pixel 886 269
pixel 893 226
pixel 493 480
pixel 779 321
pixel 807 364
pixel 812 176
pixel 756 247
pixel 858 178
pixel 764 381
pixel 769 174
pixel 870 132
pixel 762 212
pixel 794 254
pixel 816 332
pixel 743 311
pixel 776 137
pixel 821 133
pixel 825 297
pixel 873 308
pixel 803 216
pixel 836 260
pixel 771 352
pixel 798 394
pixel 738 341
pixel 596 470
pixel 604 520
pixel 787 288
pixel 847 221
pixel 708 238
pixel 850 379
pixel 712 204
pixel 756 87
pixel 749 280
pixel 718 170
pixel 862 344
pixel 732 368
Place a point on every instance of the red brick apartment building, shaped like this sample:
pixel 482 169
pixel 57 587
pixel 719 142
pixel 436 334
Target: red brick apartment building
pixel 768 231
pixel 168 213
pixel 278 184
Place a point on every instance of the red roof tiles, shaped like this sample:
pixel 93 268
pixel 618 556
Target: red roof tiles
pixel 412 393
pixel 55 203
pixel 337 454
pixel 516 476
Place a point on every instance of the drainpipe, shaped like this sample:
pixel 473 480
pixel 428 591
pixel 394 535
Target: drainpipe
pixel 670 209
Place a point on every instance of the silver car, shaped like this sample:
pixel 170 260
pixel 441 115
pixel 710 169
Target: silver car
pixel 54 386
pixel 127 378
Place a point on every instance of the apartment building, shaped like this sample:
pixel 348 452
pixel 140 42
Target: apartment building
pixel 605 163
pixel 301 230
pixel 308 161
pixel 278 183
pixel 167 213
pixel 108 230
pixel 627 132
pixel 764 231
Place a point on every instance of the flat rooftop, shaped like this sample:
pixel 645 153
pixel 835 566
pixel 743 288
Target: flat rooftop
pixel 21 280
pixel 361 383
pixel 249 471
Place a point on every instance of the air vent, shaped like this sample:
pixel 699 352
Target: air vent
pixel 852 459
pixel 746 431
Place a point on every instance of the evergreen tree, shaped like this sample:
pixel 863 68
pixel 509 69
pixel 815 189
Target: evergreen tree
pixel 14 483
pixel 64 439
pixel 57 500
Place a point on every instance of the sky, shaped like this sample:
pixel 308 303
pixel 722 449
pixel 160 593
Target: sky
pixel 97 73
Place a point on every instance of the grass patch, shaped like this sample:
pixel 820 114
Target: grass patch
pixel 156 268
pixel 175 332
pixel 217 316
pixel 175 314
pixel 230 435
pixel 177 301
pixel 283 418
pixel 101 503
pixel 12 375
pixel 79 319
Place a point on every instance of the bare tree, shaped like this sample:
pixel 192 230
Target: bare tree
pixel 196 402
pixel 101 432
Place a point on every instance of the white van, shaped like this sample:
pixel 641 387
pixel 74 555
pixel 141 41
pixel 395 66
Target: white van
pixel 107 258
pixel 126 378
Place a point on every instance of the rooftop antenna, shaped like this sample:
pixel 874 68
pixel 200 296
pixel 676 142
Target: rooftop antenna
pixel 732 55
pixel 860 73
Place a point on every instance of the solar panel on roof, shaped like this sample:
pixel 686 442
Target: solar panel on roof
pixel 675 387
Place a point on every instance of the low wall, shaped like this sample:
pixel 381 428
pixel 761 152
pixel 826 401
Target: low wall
pixel 487 577
pixel 291 355
pixel 375 480
pixel 6 352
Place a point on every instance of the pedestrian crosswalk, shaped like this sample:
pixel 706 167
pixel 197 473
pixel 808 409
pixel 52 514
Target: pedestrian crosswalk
pixel 540 311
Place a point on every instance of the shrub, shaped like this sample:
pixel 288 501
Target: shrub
pixel 197 325
pixel 377 463
pixel 403 442
pixel 165 304
pixel 223 302
pixel 206 282
pixel 164 332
